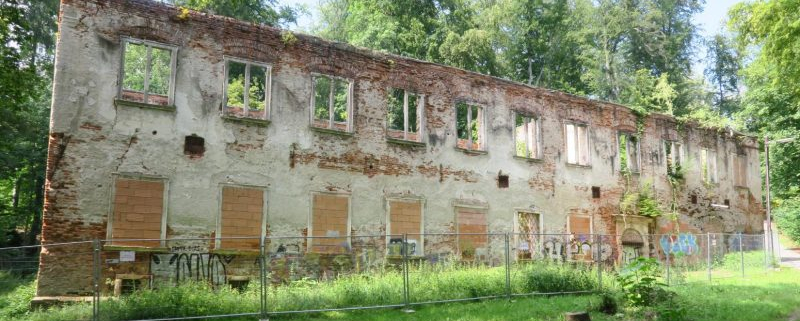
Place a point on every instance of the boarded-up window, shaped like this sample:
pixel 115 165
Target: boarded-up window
pixel 138 211
pixel 405 217
pixel 740 170
pixel 472 230
pixel 528 235
pixel 242 215
pixel 580 229
pixel 577 138
pixel 329 224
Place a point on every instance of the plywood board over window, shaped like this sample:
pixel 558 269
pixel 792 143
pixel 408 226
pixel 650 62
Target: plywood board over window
pixel 137 212
pixel 405 218
pixel 241 222
pixel 472 230
pixel 580 230
pixel 330 223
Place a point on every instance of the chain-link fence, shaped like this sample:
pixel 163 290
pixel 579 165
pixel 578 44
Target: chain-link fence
pixel 145 279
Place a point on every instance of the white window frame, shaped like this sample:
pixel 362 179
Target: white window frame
pixel 246 101
pixel 149 44
pixel 537 132
pixel 218 235
pixel 633 168
pixel 710 157
pixel 740 178
pixel 579 139
pixel 420 114
pixel 675 152
pixel 420 248
pixel 349 122
pixel 481 118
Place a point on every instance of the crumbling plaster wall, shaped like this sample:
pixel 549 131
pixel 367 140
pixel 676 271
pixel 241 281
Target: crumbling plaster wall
pixel 92 138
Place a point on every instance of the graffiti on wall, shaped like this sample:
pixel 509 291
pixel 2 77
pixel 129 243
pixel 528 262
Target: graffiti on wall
pixel 183 267
pixel 683 243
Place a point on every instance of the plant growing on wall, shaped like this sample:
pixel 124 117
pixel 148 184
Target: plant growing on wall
pixel 642 202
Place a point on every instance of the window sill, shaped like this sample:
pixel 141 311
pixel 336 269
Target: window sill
pixel 579 166
pixel 127 103
pixel 528 159
pixel 402 142
pixel 332 131
pixel 741 188
pixel 472 151
pixel 630 173
pixel 247 121
pixel 135 248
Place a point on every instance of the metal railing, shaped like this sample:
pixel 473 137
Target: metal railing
pixel 260 277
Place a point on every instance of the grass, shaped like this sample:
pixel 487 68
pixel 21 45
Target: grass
pixel 759 297
pixel 765 297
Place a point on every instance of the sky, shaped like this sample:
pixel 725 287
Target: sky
pixel 710 21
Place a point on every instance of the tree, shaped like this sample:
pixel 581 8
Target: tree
pixel 723 73
pixel 767 31
pixel 27 31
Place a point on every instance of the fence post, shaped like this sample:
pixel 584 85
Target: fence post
pixel 598 262
pixel 741 251
pixel 708 255
pixel 766 253
pixel 264 279
pixel 508 266
pixel 96 280
pixel 406 280
pixel 668 252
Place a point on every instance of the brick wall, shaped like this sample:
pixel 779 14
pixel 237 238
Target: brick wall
pixel 242 213
pixel 471 220
pixel 329 218
pixel 138 211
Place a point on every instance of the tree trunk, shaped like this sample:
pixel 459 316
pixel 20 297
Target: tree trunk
pixel 36 223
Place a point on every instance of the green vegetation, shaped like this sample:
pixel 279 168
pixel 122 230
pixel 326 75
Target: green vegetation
pixel 758 298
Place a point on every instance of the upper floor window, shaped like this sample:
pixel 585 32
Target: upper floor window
pixel 577 137
pixel 148 72
pixel 708 165
pixel 674 152
pixel 740 170
pixel 331 103
pixel 628 153
pixel 469 126
pixel 527 142
pixel 247 89
pixel 404 118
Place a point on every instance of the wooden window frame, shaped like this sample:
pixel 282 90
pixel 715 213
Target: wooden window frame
pixel 350 84
pixel 578 146
pixel 537 133
pixel 173 66
pixel 246 98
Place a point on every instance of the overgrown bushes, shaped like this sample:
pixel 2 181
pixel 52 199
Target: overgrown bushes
pixel 787 217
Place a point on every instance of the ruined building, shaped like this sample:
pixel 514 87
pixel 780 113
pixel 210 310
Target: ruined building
pixel 168 124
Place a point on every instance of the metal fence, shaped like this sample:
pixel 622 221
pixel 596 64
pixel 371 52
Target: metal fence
pixel 251 277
